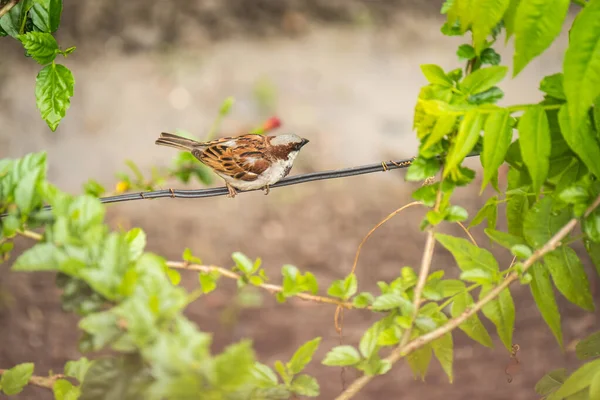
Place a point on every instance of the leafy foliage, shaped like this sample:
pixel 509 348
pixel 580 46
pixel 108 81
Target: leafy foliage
pixel 33 22
pixel 130 301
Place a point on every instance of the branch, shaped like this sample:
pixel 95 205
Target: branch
pixel 424 271
pixel 8 6
pixel 41 381
pixel 267 286
pixel 419 342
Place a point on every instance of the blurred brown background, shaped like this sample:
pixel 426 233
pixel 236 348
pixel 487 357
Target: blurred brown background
pixel 344 74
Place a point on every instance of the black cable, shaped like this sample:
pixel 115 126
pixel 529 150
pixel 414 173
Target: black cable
pixel 292 180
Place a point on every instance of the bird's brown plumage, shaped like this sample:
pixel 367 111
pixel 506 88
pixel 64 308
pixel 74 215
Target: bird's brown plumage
pixel 244 161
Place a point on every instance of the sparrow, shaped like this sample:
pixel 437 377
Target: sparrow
pixel 245 162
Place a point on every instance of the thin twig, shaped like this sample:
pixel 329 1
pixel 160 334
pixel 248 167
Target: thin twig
pixel 8 6
pixel 423 272
pixel 267 286
pixel 41 381
pixel 419 342
pixel 467 232
pixel 383 221
pixel 31 235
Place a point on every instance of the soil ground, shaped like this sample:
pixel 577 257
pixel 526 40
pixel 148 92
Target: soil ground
pixel 345 75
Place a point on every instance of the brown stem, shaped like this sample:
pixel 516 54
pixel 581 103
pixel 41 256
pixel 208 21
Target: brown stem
pixel 267 286
pixel 41 381
pixel 8 6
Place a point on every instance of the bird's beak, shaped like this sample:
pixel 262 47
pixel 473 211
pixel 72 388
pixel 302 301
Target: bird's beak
pixel 303 142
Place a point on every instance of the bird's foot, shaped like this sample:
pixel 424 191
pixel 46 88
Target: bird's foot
pixel 231 190
pixel 267 189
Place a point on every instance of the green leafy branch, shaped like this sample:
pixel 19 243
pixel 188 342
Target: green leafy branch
pixel 414 345
pixel 33 22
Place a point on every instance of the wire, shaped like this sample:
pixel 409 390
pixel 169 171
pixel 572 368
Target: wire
pixel 292 180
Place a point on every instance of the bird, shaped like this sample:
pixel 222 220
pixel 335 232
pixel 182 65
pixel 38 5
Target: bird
pixel 245 162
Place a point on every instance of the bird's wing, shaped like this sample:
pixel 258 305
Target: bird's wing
pixel 241 157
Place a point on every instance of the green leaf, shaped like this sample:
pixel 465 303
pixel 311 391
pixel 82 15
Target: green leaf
pixel 468 256
pixel 456 213
pixel 106 278
pixel 573 195
pixel 465 52
pixel 64 390
pixel 581 140
pixel 552 85
pixel 303 356
pixel 234 365
pixel 490 96
pixel 489 56
pixel 436 75
pixel 77 369
pixel 242 262
pixel 368 342
pixel 41 257
pixel 582 65
pixel 45 15
pixel 42 47
pixel 208 282
pixel 489 211
pixel 14 380
pixel 509 18
pixel 472 326
pixel 496 139
pixel 101 327
pixel 579 380
pixel 595 387
pixel 443 126
pixel 305 385
pixel 569 276
pixel 114 378
pixel 189 257
pixel 26 194
pixel 483 79
pixel 264 375
pixel 589 347
pixel 93 188
pixel 551 381
pixel 136 238
pixel 344 289
pixel 342 356
pixel 422 168
pixel 443 349
pixel 461 10
pixel 543 294
pixel 487 14
pixel 517 205
pixel 535 141
pixel 15 19
pixel 537 24
pixel 593 250
pixel 542 222
pixel 468 135
pixel 591 226
pixel 53 92
pixel 363 300
pixel 282 371
pixel 389 301
pixel 504 239
pixel 419 361
pixel 501 311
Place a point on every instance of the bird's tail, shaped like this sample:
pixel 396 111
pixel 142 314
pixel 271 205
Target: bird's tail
pixel 181 143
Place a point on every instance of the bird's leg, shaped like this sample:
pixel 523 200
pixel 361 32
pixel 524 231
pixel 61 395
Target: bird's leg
pixel 231 189
pixel 266 189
